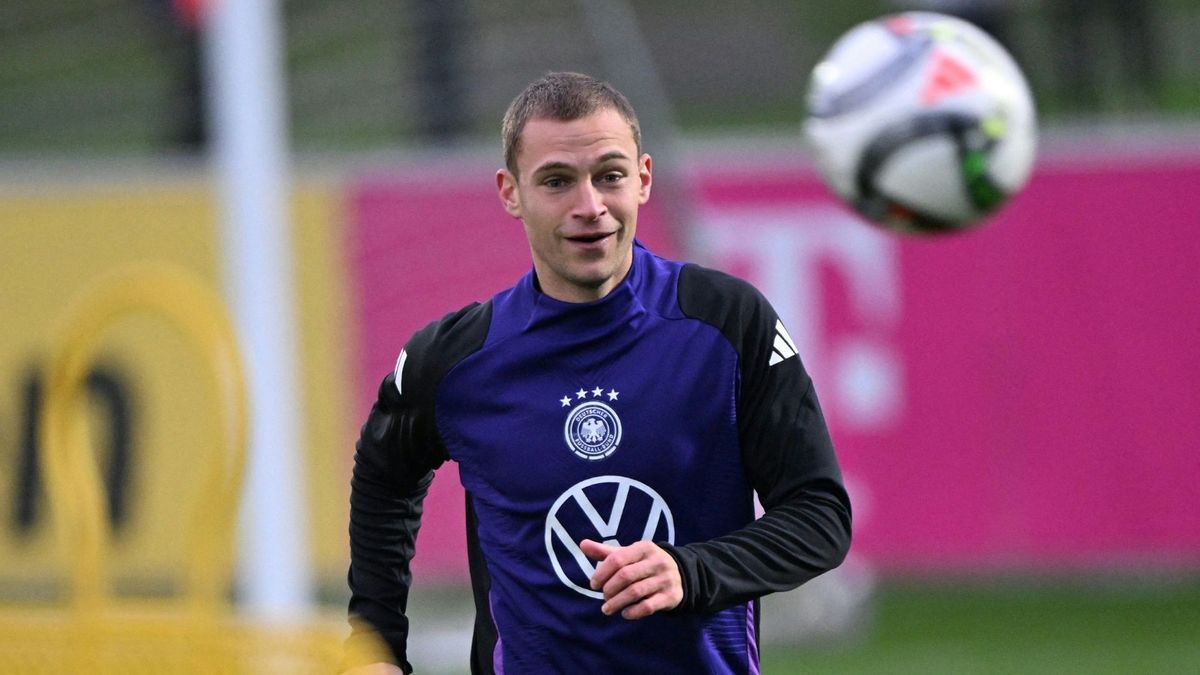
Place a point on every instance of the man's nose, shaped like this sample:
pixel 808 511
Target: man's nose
pixel 589 203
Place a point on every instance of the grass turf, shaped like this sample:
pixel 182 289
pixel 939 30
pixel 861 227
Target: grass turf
pixel 1029 627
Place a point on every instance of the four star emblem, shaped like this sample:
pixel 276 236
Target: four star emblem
pixel 583 394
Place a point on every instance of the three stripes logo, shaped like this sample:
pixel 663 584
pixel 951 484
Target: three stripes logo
pixel 947 76
pixel 400 370
pixel 784 348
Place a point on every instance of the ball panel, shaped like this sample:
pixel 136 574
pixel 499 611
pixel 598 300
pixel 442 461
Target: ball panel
pixel 908 174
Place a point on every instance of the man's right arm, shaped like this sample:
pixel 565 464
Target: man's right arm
pixel 393 467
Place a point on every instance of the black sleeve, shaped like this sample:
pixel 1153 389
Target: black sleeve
pixel 787 454
pixel 397 451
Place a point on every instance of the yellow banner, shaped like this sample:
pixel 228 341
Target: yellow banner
pixel 150 413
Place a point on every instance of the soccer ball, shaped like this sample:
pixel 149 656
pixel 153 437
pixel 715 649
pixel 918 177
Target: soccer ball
pixel 921 122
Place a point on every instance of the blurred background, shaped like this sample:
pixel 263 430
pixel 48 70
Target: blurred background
pixel 1016 408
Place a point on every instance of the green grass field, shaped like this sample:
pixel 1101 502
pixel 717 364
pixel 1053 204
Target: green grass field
pixel 1017 627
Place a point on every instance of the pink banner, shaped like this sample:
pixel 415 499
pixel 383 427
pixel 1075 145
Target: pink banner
pixel 1021 396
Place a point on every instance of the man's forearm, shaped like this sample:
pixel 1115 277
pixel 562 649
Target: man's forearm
pixel 791 544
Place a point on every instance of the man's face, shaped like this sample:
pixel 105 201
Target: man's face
pixel 580 185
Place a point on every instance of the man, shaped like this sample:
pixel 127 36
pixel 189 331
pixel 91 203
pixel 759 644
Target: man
pixel 611 416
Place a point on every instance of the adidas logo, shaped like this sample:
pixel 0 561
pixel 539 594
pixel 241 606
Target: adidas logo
pixel 785 348
pixel 947 77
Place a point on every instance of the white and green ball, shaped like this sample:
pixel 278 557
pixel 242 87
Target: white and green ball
pixel 922 122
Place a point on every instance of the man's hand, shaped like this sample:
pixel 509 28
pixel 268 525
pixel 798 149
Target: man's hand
pixel 638 580
pixel 375 669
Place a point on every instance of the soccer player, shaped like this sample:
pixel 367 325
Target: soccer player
pixel 612 416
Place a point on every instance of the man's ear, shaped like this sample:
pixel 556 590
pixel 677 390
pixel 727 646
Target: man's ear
pixel 506 188
pixel 644 178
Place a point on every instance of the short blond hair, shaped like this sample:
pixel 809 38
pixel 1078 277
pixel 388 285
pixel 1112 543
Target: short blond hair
pixel 562 96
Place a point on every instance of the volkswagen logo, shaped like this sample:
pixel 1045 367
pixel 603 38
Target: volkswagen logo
pixel 612 509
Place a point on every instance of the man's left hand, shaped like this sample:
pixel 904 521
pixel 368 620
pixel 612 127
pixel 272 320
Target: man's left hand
pixel 638 580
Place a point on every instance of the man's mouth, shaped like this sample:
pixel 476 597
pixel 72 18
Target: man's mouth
pixel 590 238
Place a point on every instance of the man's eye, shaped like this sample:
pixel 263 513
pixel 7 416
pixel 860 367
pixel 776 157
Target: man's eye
pixel 612 177
pixel 554 183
